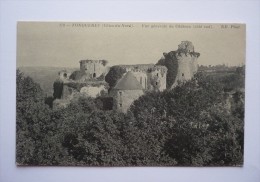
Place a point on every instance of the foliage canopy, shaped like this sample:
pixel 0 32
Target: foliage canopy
pixel 199 122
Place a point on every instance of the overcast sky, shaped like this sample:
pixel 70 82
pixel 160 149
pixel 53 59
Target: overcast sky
pixel 53 44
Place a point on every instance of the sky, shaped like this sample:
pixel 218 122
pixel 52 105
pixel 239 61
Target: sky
pixel 64 44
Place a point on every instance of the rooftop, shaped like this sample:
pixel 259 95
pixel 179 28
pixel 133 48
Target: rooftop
pixel 128 82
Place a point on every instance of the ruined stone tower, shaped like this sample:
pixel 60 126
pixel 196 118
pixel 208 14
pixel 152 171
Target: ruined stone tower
pixel 182 64
pixel 93 68
pixel 187 62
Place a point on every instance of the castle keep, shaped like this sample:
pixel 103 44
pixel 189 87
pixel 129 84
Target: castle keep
pixel 187 62
pixel 93 68
pixel 182 64
pixel 176 67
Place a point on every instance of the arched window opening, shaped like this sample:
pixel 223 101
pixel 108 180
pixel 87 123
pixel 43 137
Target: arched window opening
pixel 65 75
pixel 94 75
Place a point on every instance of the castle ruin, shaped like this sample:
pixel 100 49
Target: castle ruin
pixel 187 62
pixel 182 64
pixel 151 77
pixel 176 67
pixel 93 68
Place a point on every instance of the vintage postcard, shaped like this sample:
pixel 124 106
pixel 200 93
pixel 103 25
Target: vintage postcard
pixel 130 94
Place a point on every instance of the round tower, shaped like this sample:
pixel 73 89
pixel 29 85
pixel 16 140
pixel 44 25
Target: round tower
pixel 185 68
pixel 126 91
pixel 187 61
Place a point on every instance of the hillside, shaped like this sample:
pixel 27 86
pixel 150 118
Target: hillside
pixel 45 76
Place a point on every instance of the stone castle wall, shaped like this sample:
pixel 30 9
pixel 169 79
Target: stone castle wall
pixel 124 98
pixel 66 92
pixel 187 67
pixel 187 61
pixel 157 80
pixel 93 68
pixel 89 89
pixel 150 76
pixel 141 76
pixel 93 91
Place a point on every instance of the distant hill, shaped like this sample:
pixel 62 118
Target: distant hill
pixel 45 76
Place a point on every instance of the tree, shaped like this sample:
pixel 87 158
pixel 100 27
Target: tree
pixel 32 121
pixel 58 89
pixel 27 89
pixel 195 123
pixel 114 74
pixel 189 125
pixel 171 63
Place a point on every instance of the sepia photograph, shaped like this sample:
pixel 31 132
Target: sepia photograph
pixel 120 94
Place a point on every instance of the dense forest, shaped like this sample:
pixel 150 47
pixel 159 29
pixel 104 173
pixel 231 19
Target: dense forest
pixel 198 123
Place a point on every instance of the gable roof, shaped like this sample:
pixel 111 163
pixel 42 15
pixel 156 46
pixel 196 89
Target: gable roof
pixel 128 82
